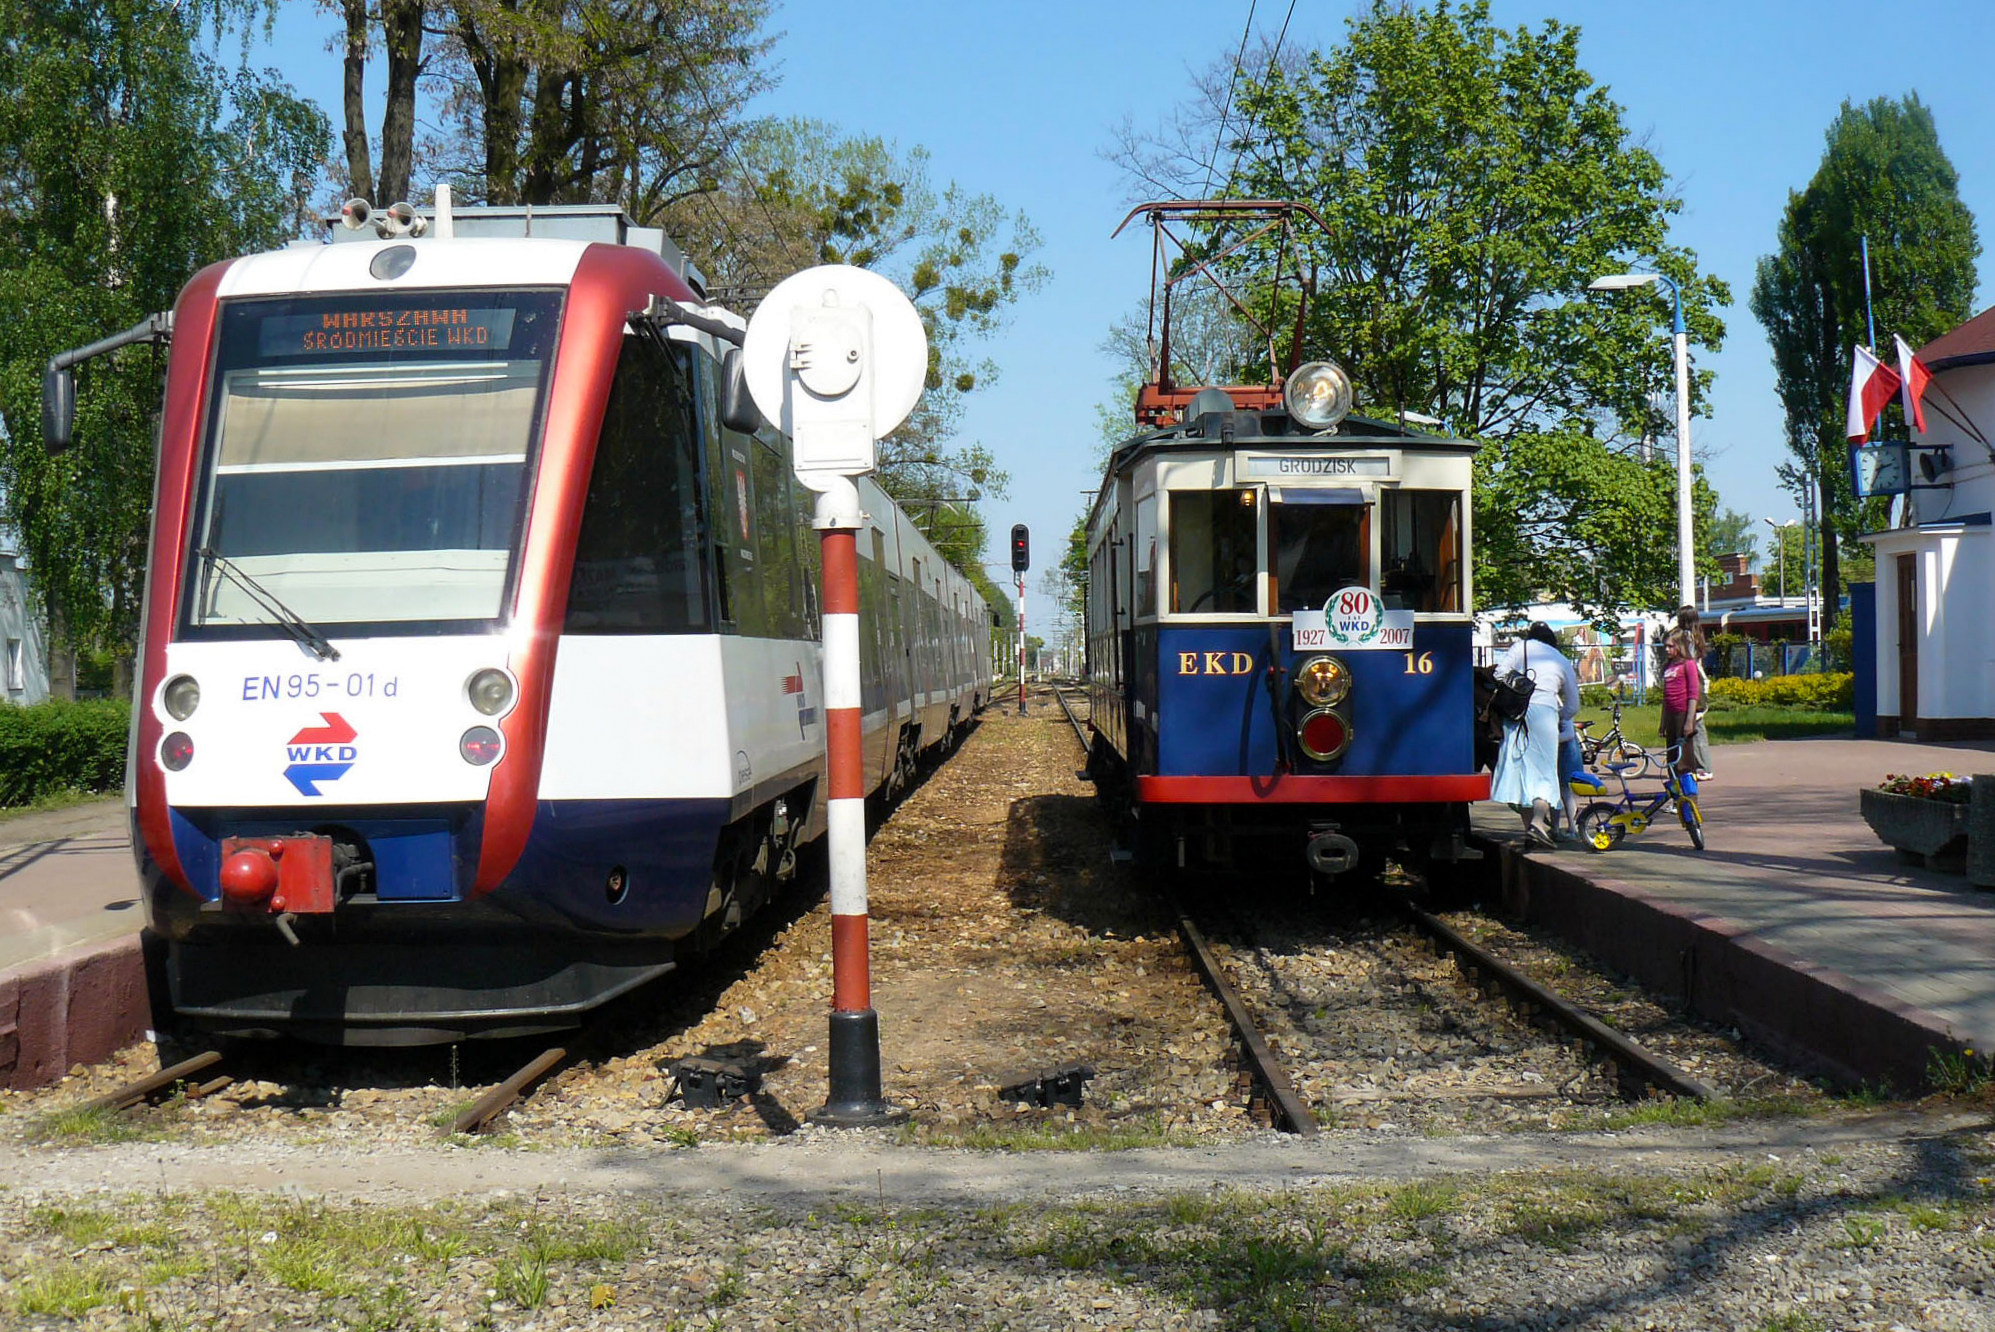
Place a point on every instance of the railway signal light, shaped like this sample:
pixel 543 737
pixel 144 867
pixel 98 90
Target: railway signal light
pixel 1021 552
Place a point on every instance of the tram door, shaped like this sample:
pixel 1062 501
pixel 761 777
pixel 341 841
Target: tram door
pixel 1908 643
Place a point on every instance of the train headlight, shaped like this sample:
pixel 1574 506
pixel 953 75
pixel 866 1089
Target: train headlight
pixel 181 697
pixel 479 746
pixel 490 691
pixel 1324 735
pixel 176 751
pixel 1323 682
pixel 1318 394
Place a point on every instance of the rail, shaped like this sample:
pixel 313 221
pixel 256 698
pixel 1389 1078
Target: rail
pixel 1637 1069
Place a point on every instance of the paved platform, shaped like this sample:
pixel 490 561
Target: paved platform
pixel 72 988
pixel 1795 923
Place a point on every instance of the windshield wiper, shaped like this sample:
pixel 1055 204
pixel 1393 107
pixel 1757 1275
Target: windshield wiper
pixel 280 615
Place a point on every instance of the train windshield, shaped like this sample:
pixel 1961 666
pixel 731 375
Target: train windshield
pixel 1321 544
pixel 368 455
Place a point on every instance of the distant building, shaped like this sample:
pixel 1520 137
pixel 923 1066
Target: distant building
pixel 1935 625
pixel 23 645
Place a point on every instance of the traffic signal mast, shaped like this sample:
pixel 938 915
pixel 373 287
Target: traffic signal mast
pixel 1021 560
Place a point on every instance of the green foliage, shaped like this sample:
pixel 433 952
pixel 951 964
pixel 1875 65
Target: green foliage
pixel 805 192
pixel 1474 180
pixel 129 158
pixel 579 101
pixel 1883 176
pixel 1826 691
pixel 1562 516
pixel 1728 533
pixel 57 746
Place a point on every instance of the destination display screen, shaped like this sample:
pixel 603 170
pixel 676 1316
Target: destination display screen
pixel 439 327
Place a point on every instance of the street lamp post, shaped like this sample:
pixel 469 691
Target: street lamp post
pixel 1780 551
pixel 1686 582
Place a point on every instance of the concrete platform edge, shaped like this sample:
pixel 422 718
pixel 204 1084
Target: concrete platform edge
pixel 76 1007
pixel 1811 1015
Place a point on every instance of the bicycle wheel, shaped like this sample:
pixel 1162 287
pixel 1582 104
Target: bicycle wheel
pixel 1597 830
pixel 1693 821
pixel 1630 752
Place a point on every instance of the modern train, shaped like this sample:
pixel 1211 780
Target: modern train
pixel 480 677
pixel 1279 652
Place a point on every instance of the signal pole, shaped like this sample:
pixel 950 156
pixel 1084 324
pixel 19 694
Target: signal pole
pixel 836 355
pixel 1021 560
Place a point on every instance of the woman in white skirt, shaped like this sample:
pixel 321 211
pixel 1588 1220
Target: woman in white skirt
pixel 1527 767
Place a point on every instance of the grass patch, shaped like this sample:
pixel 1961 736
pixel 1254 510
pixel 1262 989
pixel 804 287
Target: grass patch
pixel 1729 726
pixel 1683 1112
pixel 66 1292
pixel 1021 1136
pixel 89 1128
pixel 1958 1072
pixel 1423 1200
pixel 67 798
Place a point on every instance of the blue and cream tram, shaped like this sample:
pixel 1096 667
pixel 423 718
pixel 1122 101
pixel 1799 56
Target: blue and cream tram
pixel 1279 631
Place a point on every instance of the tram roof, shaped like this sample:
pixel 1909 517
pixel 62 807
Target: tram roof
pixel 1238 430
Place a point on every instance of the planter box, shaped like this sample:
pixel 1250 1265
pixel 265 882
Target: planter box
pixel 1924 828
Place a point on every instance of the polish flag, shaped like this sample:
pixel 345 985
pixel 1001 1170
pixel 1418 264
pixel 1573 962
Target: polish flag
pixel 1871 385
pixel 1913 371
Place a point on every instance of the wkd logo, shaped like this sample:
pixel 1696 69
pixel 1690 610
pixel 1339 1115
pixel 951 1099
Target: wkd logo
pixel 320 754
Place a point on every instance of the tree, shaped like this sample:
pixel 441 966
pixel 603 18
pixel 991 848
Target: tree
pixel 554 101
pixel 1728 532
pixel 1885 177
pixel 804 192
pixel 129 158
pixel 1474 180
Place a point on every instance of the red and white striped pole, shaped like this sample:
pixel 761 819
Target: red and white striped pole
pixel 854 1097
pixel 837 356
pixel 1021 645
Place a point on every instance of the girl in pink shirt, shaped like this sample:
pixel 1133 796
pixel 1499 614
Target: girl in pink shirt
pixel 1682 691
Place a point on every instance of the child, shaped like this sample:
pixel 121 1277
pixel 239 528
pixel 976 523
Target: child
pixel 1683 692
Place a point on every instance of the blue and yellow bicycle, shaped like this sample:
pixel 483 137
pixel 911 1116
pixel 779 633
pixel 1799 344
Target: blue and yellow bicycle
pixel 1603 824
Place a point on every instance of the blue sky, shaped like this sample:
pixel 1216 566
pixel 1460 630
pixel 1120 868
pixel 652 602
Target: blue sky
pixel 1019 99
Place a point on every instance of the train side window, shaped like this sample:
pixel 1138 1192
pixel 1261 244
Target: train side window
pixel 1212 552
pixel 776 541
pixel 639 566
pixel 1320 544
pixel 1420 541
pixel 1146 558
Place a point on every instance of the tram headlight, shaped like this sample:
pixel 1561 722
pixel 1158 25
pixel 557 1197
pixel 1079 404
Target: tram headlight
pixel 1324 735
pixel 176 751
pixel 490 691
pixel 479 746
pixel 1323 682
pixel 181 696
pixel 1318 395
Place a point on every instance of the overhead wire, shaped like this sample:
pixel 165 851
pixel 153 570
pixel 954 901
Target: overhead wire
pixel 1226 108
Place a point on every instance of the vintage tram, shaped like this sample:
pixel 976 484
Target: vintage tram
pixel 1279 633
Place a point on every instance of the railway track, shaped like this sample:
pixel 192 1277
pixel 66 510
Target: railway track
pixel 1635 1070
pixel 209 1072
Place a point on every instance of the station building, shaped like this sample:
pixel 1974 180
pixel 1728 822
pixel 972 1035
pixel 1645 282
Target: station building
pixel 23 645
pixel 1935 620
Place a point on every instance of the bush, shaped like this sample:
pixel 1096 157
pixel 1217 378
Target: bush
pixel 58 746
pixel 1726 647
pixel 1826 693
pixel 1596 696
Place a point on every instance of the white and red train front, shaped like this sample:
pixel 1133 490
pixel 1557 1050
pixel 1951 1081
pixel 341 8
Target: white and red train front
pixel 371 798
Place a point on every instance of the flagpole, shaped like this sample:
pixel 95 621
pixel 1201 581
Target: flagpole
pixel 1869 323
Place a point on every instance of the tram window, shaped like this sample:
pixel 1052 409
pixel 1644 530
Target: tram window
pixel 1146 557
pixel 1420 541
pixel 1319 548
pixel 638 563
pixel 1213 561
pixel 731 491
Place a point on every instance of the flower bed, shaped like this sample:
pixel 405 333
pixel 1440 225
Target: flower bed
pixel 1924 817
